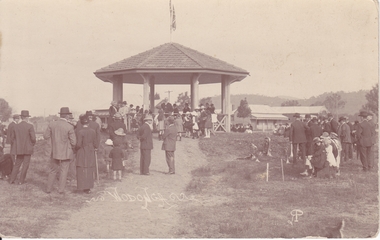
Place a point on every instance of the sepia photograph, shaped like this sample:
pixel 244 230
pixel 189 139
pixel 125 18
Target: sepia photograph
pixel 146 119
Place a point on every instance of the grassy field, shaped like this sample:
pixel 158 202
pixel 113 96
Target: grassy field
pixel 27 211
pixel 238 202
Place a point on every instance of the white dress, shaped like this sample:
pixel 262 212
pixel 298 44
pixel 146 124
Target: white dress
pixel 330 156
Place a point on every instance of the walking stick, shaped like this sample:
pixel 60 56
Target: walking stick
pixel 96 164
pixel 282 170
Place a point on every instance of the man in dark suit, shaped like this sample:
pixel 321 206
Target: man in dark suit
pixel 24 138
pixel 298 137
pixel 364 135
pixel 170 138
pixel 333 123
pixel 146 144
pixel 16 120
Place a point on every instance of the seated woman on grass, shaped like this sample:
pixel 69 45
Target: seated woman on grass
pixel 319 158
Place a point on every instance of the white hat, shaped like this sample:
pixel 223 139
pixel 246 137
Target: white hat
pixel 120 132
pixel 109 142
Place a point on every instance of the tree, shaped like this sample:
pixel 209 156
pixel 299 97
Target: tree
pixel 243 110
pixel 205 100
pixel 290 103
pixel 5 110
pixel 182 99
pixel 372 100
pixel 333 103
pixel 156 96
pixel 317 103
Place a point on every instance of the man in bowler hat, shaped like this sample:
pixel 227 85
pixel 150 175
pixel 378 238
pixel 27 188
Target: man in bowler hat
pixel 63 141
pixel 24 138
pixel 11 126
pixel 146 144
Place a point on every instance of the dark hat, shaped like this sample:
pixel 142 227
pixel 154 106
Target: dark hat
pixel 363 114
pixel 24 113
pixel 329 115
pixel 89 113
pixel 342 119
pixel 317 139
pixel 16 116
pixel 83 119
pixel 307 116
pixel 64 111
pixel 296 115
pixel 124 102
pixel 370 114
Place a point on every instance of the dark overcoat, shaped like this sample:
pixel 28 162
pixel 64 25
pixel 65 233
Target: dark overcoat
pixel 24 138
pixel 86 144
pixel 115 125
pixel 11 126
pixel 315 130
pixel 145 137
pixel 170 138
pixel 298 132
pixel 364 134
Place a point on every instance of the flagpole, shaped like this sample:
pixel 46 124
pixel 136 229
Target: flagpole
pixel 170 20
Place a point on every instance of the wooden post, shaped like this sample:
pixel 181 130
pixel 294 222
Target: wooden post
pixel 267 171
pixel 151 97
pixel 146 91
pixel 194 88
pixel 117 85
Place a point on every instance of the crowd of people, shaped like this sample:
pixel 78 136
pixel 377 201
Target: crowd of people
pixel 75 143
pixel 317 142
pixel 189 123
pixel 325 142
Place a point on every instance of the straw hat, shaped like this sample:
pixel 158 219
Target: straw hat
pixel 120 132
pixel 109 142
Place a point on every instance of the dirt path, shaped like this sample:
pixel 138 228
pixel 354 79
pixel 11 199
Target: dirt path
pixel 139 206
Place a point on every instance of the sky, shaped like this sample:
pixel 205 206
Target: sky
pixel 298 48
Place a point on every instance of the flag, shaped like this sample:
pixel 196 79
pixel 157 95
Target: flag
pixel 173 24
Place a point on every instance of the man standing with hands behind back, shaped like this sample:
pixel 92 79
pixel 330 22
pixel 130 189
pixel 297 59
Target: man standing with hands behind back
pixel 23 138
pixel 63 141
pixel 146 144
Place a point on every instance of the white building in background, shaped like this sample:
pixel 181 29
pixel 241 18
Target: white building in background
pixel 264 117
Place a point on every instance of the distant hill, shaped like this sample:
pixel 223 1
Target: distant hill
pixel 354 100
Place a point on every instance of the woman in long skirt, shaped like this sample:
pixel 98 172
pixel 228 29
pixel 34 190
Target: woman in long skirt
pixel 178 123
pixel 85 157
pixel 160 123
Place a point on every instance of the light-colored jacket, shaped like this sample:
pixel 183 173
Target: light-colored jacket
pixel 63 139
pixel 344 133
